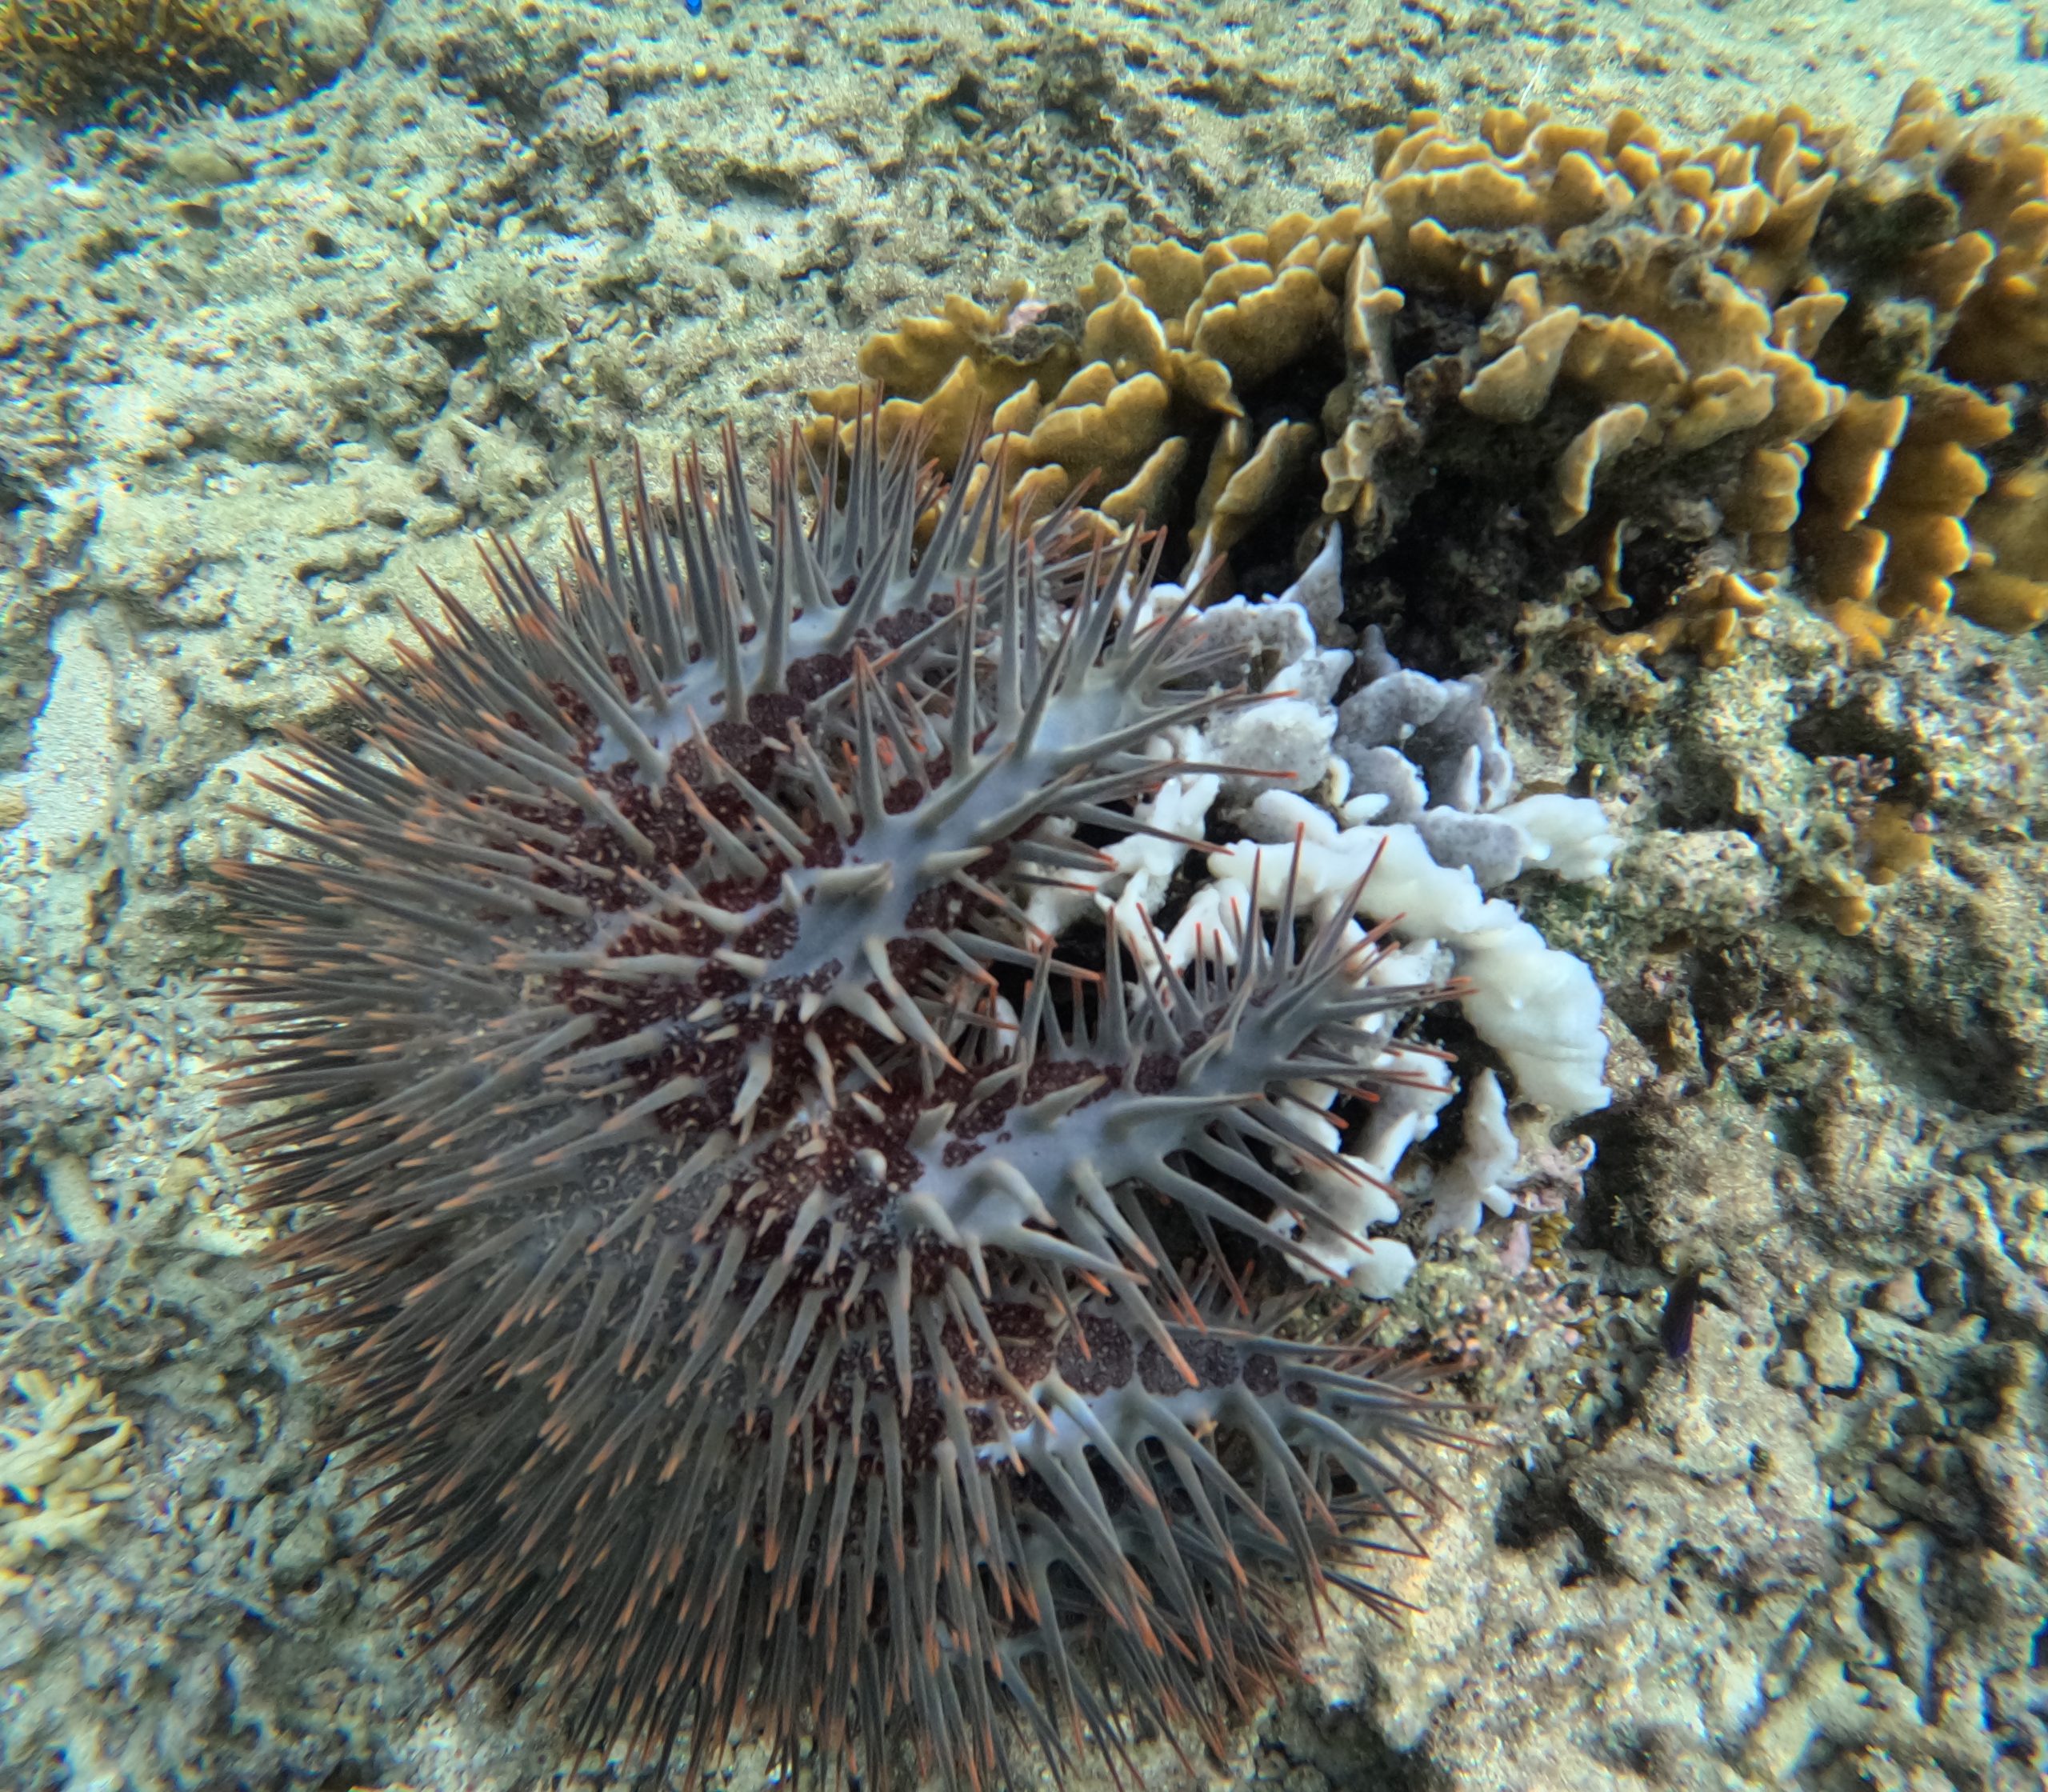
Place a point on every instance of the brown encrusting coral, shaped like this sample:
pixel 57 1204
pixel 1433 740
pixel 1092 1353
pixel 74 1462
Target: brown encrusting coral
pixel 788 1290
pixel 1666 378
pixel 69 53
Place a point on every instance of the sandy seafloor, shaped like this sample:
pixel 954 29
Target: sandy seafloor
pixel 256 373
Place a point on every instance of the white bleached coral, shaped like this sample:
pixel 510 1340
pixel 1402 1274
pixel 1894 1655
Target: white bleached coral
pixel 1426 753
pixel 1539 1008
pixel 1418 788
pixel 1406 778
pixel 1483 1174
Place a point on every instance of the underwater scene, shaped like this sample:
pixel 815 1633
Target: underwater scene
pixel 1061 893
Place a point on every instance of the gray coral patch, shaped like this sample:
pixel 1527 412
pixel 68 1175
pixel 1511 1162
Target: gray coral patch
pixel 1440 731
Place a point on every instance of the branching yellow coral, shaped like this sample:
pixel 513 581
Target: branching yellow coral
pixel 69 52
pixel 60 1465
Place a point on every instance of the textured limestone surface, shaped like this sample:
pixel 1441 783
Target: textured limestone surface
pixel 259 370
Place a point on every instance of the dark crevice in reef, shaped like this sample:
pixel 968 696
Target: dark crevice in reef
pixel 1728 983
pixel 1619 1214
pixel 1344 1745
pixel 1471 539
pixel 1536 1508
pixel 1446 589
pixel 1851 732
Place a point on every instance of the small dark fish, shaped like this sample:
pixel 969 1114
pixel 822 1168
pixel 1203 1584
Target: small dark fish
pixel 1681 1303
pixel 692 7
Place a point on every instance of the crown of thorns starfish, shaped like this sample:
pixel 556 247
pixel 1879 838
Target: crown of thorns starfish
pixel 785 1291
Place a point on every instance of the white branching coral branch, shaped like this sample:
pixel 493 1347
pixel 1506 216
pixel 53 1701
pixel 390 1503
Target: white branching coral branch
pixel 61 1467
